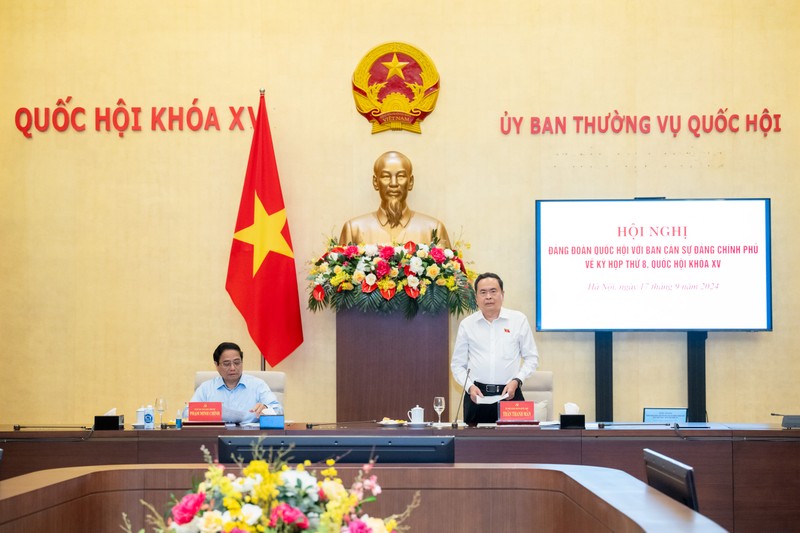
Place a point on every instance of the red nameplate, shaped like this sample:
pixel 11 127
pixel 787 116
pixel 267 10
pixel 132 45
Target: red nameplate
pixel 515 412
pixel 205 411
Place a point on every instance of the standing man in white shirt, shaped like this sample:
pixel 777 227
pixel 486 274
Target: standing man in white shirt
pixel 497 346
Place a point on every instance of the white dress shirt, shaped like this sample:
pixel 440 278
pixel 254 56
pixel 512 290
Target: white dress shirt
pixel 243 397
pixel 493 350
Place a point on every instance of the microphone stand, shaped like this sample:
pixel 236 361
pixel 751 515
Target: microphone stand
pixel 454 425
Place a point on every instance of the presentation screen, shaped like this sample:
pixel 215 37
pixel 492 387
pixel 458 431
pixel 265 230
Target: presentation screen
pixel 653 265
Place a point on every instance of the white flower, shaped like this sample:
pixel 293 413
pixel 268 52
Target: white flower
pixel 375 525
pixel 251 513
pixel 413 281
pixel 371 279
pixel 363 265
pixel 211 522
pixel 307 483
pixel 319 280
pixel 333 256
pixel 399 250
pixel 189 527
pixel 448 253
pixel 415 264
pixel 371 250
pixel 245 484
pixel 424 248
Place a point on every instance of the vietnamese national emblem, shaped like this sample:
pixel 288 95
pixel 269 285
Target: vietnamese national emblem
pixel 395 86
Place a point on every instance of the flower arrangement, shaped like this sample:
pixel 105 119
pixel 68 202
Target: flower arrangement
pixel 375 278
pixel 269 496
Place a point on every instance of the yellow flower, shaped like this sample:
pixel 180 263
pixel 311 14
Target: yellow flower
pixel 358 276
pixel 386 283
pixel 323 267
pixel 340 278
pixel 232 504
pixel 433 271
pixel 394 272
pixel 337 269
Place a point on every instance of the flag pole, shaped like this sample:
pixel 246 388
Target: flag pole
pixel 261 91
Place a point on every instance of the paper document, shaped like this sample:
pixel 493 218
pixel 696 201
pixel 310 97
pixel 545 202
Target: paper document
pixel 236 417
pixel 490 399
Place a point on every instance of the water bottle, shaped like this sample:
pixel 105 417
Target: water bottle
pixel 149 418
pixel 179 419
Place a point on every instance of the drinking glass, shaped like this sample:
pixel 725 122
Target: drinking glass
pixel 161 405
pixel 438 406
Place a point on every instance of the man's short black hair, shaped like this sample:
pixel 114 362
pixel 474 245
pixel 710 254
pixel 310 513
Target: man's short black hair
pixel 227 346
pixel 488 275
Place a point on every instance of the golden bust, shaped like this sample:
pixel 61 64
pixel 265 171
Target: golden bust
pixel 393 222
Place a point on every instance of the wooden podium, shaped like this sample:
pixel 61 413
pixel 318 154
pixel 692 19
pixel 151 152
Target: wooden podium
pixel 387 364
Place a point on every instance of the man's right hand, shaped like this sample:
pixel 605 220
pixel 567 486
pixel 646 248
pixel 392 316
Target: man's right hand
pixel 474 393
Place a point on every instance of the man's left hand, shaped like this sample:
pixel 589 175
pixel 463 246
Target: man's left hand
pixel 511 389
pixel 259 408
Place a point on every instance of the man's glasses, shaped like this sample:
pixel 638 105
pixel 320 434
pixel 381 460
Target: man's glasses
pixel 235 363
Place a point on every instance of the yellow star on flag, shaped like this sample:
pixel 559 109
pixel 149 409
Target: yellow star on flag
pixel 265 234
pixel 395 67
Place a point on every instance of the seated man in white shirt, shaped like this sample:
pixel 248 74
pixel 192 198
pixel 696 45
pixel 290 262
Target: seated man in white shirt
pixel 497 346
pixel 244 398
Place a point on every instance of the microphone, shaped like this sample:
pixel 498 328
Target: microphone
pixel 18 427
pixel 309 425
pixel 463 393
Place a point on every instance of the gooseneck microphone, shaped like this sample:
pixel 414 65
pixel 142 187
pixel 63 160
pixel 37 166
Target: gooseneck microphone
pixel 309 425
pixel 461 401
pixel 18 427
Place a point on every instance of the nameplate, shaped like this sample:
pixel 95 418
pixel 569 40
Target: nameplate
pixel 515 412
pixel 205 411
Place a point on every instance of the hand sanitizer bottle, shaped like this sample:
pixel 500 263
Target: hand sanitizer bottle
pixel 149 418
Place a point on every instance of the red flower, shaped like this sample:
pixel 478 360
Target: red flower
pixel 357 526
pixel 386 252
pixel 319 293
pixel 412 292
pixel 350 251
pixel 187 508
pixel 388 294
pixel 337 250
pixel 460 262
pixel 407 270
pixel 288 515
pixel 438 255
pixel 382 268
pixel 366 288
pixel 410 247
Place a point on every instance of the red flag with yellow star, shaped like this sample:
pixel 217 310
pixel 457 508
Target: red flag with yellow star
pixel 262 279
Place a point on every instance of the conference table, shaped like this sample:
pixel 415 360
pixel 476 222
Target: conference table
pixel 747 476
